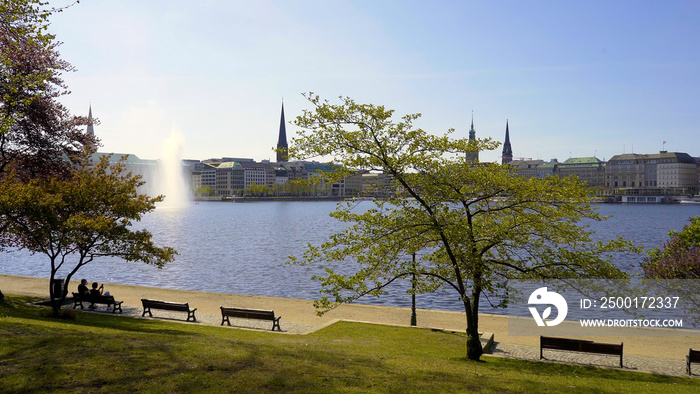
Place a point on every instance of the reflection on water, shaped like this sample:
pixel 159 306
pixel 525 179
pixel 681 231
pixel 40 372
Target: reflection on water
pixel 241 248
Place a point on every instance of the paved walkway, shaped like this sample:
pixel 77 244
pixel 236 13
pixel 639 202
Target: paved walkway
pixel 634 363
pixel 642 353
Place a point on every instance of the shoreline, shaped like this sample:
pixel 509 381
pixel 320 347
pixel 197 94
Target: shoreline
pixel 275 198
pixel 301 314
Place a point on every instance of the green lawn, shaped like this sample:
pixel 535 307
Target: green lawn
pixel 99 352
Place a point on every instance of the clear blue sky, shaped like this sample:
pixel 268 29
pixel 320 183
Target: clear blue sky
pixel 573 78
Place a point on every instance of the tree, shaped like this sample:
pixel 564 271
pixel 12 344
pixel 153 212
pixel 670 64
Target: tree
pixel 203 191
pixel 38 136
pixel 680 256
pixel 675 269
pixel 475 226
pixel 78 220
pixel 257 190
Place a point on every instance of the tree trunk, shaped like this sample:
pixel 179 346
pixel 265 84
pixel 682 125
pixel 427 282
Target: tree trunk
pixel 57 299
pixel 474 348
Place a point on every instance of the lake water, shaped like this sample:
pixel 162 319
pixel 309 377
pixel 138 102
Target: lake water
pixel 241 248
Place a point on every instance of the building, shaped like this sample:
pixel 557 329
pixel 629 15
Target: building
pixel 203 176
pixel 547 169
pixel 507 155
pixel 366 183
pixel 589 170
pixel 258 174
pixel 90 130
pixel 282 147
pixel 662 173
pixel 229 179
pixel 472 155
pixel 526 167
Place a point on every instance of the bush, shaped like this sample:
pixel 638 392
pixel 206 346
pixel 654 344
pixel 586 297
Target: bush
pixel 65 314
pixel 680 256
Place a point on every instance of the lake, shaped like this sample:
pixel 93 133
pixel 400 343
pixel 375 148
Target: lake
pixel 241 248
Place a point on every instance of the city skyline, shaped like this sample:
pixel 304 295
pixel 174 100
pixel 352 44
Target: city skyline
pixel 573 80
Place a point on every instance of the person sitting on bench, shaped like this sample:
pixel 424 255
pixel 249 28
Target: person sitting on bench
pixel 83 289
pixel 97 291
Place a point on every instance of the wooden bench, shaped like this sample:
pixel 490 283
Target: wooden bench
pixel 250 314
pixel 168 306
pixel 108 300
pixel 692 357
pixel 576 345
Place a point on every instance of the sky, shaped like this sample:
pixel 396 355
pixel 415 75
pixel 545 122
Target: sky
pixel 572 78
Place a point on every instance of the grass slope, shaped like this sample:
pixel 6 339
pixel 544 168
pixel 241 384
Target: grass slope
pixel 103 353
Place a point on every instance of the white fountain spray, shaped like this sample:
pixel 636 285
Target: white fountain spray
pixel 171 176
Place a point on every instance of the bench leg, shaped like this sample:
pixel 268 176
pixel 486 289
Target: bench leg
pixel 190 315
pixel 276 323
pixel 116 306
pixel 226 319
pixel 621 346
pixel 687 364
pixel 146 310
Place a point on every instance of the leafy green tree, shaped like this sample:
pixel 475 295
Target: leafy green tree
pixel 257 190
pixel 75 221
pixel 474 226
pixel 203 191
pixel 674 270
pixel 680 256
pixel 38 136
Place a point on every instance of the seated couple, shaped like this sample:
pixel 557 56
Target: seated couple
pixel 95 291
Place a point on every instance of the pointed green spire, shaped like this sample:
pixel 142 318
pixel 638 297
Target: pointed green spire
pixel 282 147
pixel 507 150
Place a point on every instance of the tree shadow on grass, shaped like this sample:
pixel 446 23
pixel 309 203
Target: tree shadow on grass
pixel 26 308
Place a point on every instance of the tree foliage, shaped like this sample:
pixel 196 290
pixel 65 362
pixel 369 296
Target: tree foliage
pixel 75 221
pixel 203 191
pixel 256 190
pixel 38 136
pixel 674 270
pixel 475 226
pixel 680 256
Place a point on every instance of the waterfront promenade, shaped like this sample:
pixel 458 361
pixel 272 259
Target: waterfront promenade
pixel 643 353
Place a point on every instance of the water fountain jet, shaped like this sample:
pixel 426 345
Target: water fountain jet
pixel 171 177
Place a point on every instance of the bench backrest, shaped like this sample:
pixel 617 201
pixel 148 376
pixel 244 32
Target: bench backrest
pixel 562 343
pixel 102 299
pixel 248 313
pixel 580 345
pixel 166 305
pixel 694 356
pixel 603 348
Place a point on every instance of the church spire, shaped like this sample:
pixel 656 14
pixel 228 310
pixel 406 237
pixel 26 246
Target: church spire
pixel 282 148
pixel 507 150
pixel 472 156
pixel 90 129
